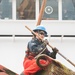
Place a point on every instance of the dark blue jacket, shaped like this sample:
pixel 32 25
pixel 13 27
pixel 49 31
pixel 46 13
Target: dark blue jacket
pixel 35 47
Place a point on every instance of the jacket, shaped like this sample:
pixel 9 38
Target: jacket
pixel 35 47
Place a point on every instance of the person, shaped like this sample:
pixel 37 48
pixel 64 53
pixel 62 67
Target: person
pixel 34 47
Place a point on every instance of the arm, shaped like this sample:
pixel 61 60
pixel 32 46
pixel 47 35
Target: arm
pixel 53 54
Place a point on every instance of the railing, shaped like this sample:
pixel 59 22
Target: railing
pixel 49 36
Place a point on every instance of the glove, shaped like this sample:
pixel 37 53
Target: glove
pixel 46 42
pixel 55 50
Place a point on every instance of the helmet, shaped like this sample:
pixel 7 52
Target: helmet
pixel 42 28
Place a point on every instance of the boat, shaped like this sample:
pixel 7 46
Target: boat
pixel 6 71
pixel 54 68
pixel 51 67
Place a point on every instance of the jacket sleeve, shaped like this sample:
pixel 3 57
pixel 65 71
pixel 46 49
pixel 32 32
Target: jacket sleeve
pixel 51 54
pixel 55 51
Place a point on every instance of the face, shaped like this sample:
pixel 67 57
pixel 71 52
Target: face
pixel 41 34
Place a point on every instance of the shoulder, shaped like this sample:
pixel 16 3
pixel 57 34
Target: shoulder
pixel 33 42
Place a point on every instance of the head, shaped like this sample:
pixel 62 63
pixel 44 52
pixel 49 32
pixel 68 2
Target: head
pixel 41 31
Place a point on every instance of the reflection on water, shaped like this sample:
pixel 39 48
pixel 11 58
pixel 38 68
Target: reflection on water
pixel 5 9
pixel 51 10
pixel 68 9
pixel 26 9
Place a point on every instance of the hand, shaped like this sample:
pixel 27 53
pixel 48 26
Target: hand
pixel 46 42
pixel 55 50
